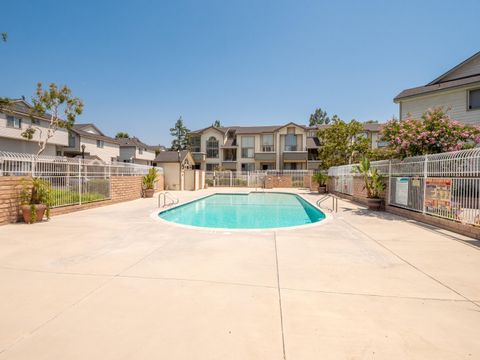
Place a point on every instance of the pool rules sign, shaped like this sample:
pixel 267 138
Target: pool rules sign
pixel 401 191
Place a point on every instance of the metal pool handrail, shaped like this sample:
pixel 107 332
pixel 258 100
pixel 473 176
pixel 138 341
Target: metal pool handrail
pixel 334 202
pixel 166 195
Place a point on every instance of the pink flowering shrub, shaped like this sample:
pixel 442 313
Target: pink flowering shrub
pixel 434 133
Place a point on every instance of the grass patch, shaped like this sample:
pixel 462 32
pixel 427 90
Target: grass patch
pixel 65 197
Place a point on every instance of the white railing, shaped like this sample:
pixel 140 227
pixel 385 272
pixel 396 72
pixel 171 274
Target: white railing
pixel 74 181
pixel 254 179
pixel 446 185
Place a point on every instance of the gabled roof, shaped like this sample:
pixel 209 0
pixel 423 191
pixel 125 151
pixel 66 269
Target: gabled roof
pixel 248 129
pixel 452 70
pixel 469 71
pixel 78 129
pixel 171 156
pixel 133 142
pixel 21 106
pixel 436 87
pixel 84 126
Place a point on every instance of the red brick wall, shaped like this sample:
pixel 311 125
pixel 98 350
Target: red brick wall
pixel 282 181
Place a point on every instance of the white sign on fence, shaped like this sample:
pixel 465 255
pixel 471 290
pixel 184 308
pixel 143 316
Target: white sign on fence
pixel 401 191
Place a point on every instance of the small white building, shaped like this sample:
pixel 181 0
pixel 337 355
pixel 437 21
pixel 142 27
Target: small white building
pixel 132 150
pixel 458 90
pixel 89 141
pixel 19 116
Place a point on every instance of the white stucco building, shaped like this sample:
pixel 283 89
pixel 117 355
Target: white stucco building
pixel 89 141
pixel 18 117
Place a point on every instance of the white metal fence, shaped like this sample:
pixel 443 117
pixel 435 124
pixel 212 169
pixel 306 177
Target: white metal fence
pixel 254 179
pixel 74 181
pixel 446 185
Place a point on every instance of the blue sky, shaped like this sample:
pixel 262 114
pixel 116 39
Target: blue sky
pixel 139 65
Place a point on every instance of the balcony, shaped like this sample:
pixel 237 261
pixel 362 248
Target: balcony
pixel 291 154
pixel 265 156
pixel 229 165
pixel 199 157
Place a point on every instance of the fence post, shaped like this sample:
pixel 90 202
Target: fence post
pixel 248 178
pixel 425 173
pixel 231 179
pixel 389 181
pixel 80 181
pixel 33 166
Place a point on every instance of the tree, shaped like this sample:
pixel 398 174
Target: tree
pixel 180 136
pixel 434 133
pixel 49 104
pixel 217 124
pixel 4 36
pixel 319 117
pixel 341 143
pixel 122 135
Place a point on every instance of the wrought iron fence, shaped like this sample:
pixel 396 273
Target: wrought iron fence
pixel 74 181
pixel 446 185
pixel 254 179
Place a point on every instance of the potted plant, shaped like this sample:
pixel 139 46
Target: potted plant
pixel 374 184
pixel 321 180
pixel 149 183
pixel 36 199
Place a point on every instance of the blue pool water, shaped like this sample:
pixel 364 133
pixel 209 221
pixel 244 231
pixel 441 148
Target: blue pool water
pixel 245 211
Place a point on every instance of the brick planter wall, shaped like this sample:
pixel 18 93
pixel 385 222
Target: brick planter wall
pixel 123 188
pixel 282 181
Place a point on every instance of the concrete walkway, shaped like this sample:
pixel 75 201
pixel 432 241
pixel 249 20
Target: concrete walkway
pixel 113 283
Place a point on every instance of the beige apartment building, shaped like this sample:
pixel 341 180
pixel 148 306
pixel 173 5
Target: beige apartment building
pixel 457 90
pixel 250 148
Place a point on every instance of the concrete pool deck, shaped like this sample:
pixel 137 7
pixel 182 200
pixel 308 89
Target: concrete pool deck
pixel 112 283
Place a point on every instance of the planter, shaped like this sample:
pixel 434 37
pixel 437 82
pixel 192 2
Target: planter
pixel 374 204
pixel 322 189
pixel 27 212
pixel 148 193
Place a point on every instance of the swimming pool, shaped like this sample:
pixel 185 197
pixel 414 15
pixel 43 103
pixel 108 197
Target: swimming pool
pixel 252 210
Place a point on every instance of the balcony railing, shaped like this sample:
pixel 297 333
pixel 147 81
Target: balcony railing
pixel 268 148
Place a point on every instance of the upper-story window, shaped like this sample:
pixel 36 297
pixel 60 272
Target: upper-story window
pixel 474 99
pixel 312 133
pixel 212 148
pixel 14 122
pixel 267 143
pixel 100 144
pixel 248 146
pixel 291 140
pixel 195 144
pixel 140 151
pixel 71 140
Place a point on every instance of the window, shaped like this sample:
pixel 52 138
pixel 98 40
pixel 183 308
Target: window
pixel 474 99
pixel 290 166
pixel 312 133
pixel 267 143
pixel 248 146
pixel 248 167
pixel 290 140
pixel 195 144
pixel 211 167
pixel 140 151
pixel 35 122
pixel 14 122
pixel 71 140
pixel 212 148
pixel 100 144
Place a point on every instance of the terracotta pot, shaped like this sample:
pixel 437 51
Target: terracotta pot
pixel 322 189
pixel 374 204
pixel 148 193
pixel 27 213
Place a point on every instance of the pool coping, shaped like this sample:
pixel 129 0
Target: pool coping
pixel 328 216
